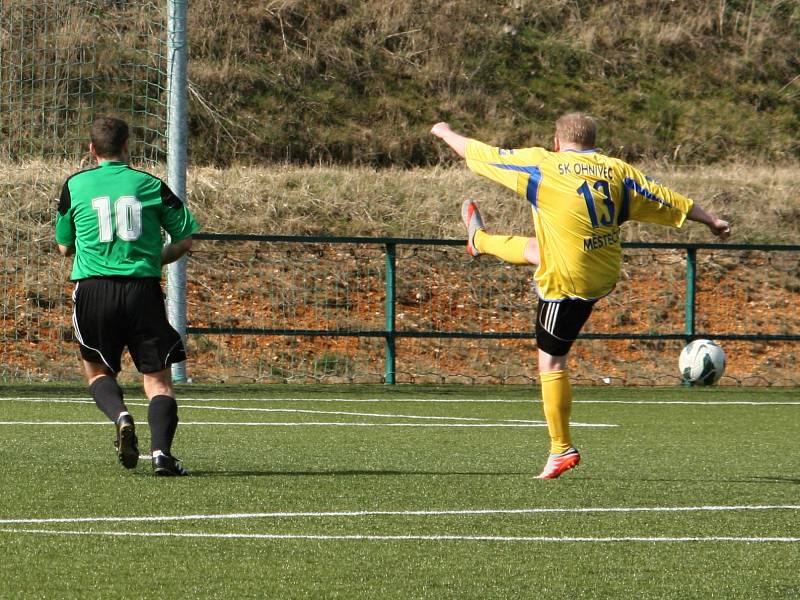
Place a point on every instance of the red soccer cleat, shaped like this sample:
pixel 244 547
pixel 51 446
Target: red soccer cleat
pixel 473 222
pixel 558 463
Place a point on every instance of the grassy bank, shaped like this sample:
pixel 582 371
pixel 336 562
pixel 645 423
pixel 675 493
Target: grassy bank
pixel 406 203
pixel 361 82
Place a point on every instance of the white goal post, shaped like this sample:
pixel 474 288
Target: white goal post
pixel 176 160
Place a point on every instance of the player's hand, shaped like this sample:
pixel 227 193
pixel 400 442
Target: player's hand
pixel 720 228
pixel 441 129
pixel 456 141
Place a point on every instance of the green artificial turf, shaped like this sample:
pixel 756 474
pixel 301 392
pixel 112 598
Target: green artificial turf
pixel 399 510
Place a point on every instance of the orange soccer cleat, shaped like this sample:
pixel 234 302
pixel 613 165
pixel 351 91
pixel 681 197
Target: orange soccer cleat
pixel 558 463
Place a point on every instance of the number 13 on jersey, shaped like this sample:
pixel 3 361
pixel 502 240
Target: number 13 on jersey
pixel 607 216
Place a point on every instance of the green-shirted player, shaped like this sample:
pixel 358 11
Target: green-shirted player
pixel 579 197
pixel 111 218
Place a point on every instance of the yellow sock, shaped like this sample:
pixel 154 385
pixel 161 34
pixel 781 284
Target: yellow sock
pixel 557 401
pixel 508 248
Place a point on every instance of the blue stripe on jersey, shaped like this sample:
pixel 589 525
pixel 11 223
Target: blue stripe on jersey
pixel 631 184
pixel 532 192
pixel 624 209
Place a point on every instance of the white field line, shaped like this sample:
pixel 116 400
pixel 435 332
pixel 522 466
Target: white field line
pixel 696 402
pixel 398 513
pixel 535 400
pixel 82 400
pixel 338 412
pixel 298 411
pixel 318 424
pixel 482 421
pixel 412 538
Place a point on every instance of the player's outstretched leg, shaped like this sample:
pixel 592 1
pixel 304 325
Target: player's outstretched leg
pixel 512 249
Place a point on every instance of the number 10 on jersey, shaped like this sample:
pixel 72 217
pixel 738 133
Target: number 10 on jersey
pixel 127 218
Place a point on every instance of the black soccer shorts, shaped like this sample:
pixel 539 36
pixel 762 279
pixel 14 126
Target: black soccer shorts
pixel 111 313
pixel 558 323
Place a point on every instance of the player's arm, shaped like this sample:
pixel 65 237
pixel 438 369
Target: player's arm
pixel 652 202
pixel 718 227
pixel 510 168
pixel 173 251
pixel 65 228
pixel 456 141
pixel 648 201
pixel 178 221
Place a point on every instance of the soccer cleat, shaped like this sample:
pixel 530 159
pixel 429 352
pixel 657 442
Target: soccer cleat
pixel 126 442
pixel 473 222
pixel 167 465
pixel 558 463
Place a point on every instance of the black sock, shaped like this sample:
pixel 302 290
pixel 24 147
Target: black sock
pixel 108 396
pixel 162 415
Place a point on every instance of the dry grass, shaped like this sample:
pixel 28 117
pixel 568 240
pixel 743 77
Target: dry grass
pixel 286 199
pixel 425 202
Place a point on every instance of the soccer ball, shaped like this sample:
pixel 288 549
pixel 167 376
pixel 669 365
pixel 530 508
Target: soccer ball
pixel 702 362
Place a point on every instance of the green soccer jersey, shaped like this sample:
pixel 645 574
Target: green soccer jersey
pixel 113 216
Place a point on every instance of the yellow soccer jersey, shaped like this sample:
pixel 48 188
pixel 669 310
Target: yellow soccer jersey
pixel 578 199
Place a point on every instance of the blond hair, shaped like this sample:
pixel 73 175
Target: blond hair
pixel 577 128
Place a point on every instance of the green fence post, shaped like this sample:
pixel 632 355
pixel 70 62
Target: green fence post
pixel 391 264
pixel 691 289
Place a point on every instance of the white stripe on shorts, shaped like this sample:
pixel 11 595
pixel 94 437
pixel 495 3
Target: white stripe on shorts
pixel 77 329
pixel 552 317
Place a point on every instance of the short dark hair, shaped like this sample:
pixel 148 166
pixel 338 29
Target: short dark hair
pixel 578 128
pixel 109 136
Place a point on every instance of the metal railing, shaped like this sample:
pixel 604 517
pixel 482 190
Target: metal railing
pixel 391 333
